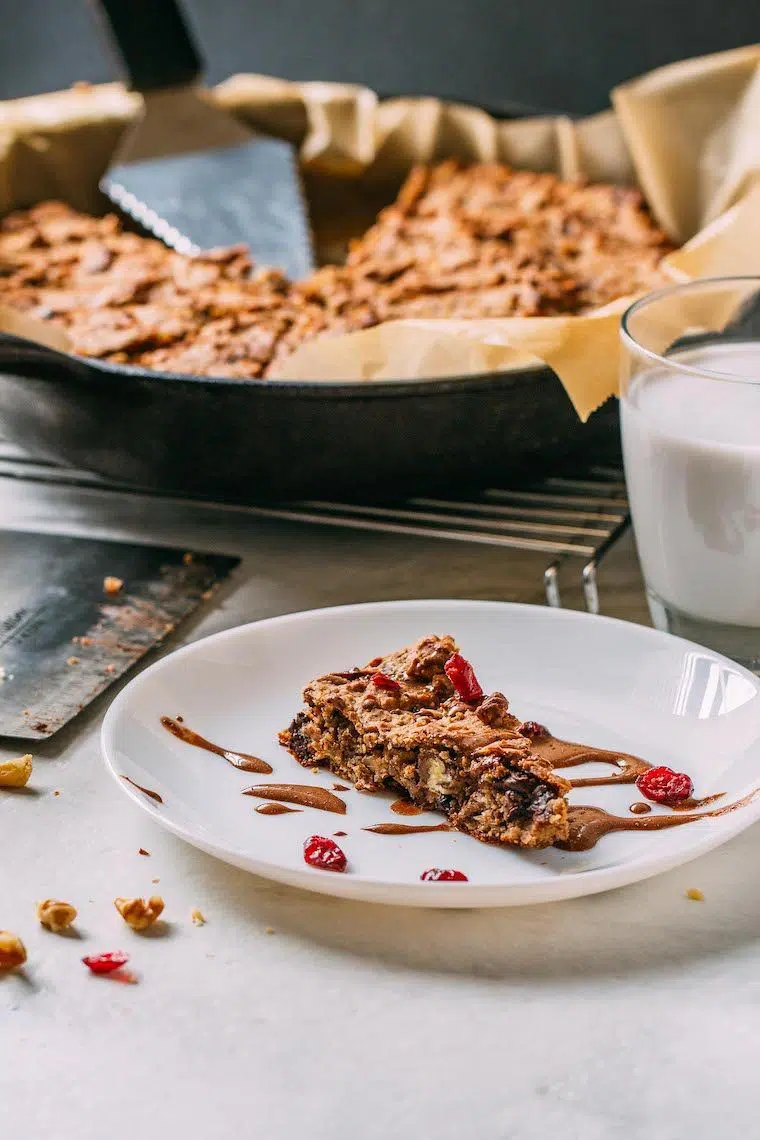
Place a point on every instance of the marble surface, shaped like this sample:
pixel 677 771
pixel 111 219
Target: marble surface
pixel 626 1015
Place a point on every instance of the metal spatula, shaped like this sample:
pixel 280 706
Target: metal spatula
pixel 189 172
pixel 63 640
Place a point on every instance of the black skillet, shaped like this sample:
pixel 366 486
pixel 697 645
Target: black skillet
pixel 255 440
pixel 251 440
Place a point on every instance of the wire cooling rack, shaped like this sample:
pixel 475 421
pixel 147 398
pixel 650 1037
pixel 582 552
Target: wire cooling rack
pixel 570 519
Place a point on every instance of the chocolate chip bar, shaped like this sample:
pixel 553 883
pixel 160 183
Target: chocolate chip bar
pixel 416 722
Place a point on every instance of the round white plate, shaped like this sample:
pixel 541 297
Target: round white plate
pixel 591 679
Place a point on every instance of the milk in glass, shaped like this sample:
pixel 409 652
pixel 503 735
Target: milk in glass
pixel 692 456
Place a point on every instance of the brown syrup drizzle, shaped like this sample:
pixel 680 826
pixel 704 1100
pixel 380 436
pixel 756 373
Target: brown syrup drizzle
pixel 274 809
pixel 145 791
pixel 691 805
pixel 640 808
pixel 306 795
pixel 568 754
pixel 406 828
pixel 588 824
pixel 405 807
pixel 239 760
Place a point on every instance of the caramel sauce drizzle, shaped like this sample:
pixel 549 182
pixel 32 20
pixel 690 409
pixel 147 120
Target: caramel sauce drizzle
pixel 406 828
pixel 568 754
pixel 405 807
pixel 241 760
pixel 145 791
pixel 588 824
pixel 306 795
pixel 274 809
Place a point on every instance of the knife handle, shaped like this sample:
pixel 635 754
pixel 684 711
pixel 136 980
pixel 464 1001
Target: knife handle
pixel 153 42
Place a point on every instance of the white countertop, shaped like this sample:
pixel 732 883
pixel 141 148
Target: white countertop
pixel 626 1015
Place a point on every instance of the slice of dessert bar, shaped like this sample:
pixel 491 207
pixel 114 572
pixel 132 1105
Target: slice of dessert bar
pixel 400 724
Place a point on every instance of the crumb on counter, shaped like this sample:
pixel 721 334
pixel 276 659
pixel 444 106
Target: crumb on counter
pixel 269 930
pixel 112 584
pixel 695 894
pixel 197 917
pixel 142 851
pixel 56 915
pixel 15 773
pixel 12 951
pixel 72 660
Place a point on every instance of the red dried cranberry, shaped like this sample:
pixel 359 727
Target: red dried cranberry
pixel 106 963
pixel 318 851
pixel 665 786
pixel 462 676
pixel 436 875
pixel 383 681
pixel 532 729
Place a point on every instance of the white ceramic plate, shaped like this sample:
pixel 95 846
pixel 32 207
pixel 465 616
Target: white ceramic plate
pixel 592 679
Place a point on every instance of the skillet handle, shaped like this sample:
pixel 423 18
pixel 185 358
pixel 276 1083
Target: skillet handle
pixel 152 41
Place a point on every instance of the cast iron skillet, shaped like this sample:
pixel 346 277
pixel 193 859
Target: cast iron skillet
pixel 251 440
pixel 254 440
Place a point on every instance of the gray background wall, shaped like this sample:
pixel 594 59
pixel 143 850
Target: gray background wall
pixel 557 54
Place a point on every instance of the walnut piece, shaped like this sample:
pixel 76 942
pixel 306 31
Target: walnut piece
pixel 139 914
pixel 56 915
pixel 494 710
pixel 12 951
pixel 112 585
pixel 15 773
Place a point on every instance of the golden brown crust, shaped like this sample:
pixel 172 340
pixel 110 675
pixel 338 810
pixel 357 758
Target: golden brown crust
pixel 476 241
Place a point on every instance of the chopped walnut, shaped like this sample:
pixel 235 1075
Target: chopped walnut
pixel 494 710
pixel 139 914
pixel 12 951
pixel 112 585
pixel 197 917
pixel 15 773
pixel 56 915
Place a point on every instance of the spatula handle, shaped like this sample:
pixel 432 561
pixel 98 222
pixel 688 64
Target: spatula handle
pixel 153 42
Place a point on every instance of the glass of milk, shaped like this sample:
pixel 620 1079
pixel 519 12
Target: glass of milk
pixel 690 419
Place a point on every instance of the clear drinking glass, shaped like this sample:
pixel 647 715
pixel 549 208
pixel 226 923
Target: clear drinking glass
pixel 690 419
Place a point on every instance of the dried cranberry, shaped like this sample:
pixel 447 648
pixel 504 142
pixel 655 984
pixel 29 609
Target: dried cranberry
pixel 665 786
pixel 436 875
pixel 106 963
pixel 532 729
pixel 318 851
pixel 383 681
pixel 462 676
